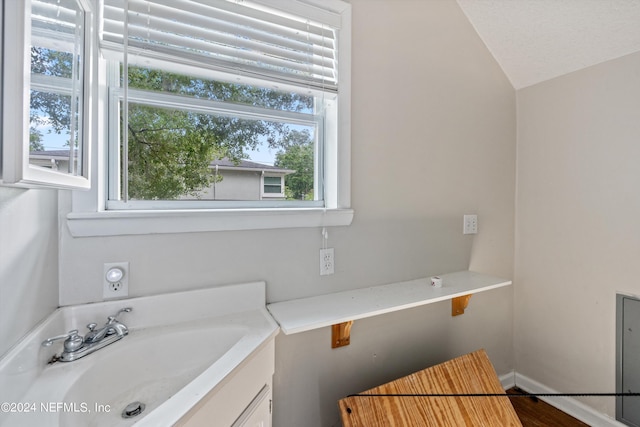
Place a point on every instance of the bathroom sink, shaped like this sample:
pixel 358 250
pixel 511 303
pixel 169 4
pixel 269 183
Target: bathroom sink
pixel 149 367
pixel 159 371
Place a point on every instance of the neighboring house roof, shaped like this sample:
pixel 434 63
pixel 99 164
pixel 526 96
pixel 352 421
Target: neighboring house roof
pixel 247 165
pixel 51 154
pixel 220 164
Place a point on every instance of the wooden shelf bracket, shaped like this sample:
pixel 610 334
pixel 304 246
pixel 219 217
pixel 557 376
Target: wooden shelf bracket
pixel 458 304
pixel 341 334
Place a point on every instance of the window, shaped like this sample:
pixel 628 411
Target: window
pixel 215 106
pixel 273 186
pixel 45 95
pixel 202 82
pixel 183 128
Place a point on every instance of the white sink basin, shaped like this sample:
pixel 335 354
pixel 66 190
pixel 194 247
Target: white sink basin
pixel 169 361
pixel 147 366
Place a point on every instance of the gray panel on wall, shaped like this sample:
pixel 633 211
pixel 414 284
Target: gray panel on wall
pixel 628 359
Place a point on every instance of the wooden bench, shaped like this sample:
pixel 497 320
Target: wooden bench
pixel 468 374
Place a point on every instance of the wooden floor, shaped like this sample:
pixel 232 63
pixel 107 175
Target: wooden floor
pixel 536 413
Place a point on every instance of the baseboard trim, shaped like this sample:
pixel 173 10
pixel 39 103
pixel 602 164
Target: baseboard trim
pixel 569 405
pixel 508 380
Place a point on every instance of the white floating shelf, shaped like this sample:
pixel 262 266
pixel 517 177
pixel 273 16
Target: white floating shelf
pixel 306 314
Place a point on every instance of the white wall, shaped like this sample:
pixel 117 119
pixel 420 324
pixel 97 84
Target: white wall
pixel 28 261
pixel 578 234
pixel 433 123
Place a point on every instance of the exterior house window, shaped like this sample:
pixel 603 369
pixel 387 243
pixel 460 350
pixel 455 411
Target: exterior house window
pixel 273 186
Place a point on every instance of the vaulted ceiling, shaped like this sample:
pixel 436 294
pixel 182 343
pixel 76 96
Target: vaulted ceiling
pixel 536 40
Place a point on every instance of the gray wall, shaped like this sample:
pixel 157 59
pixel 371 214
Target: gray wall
pixel 28 261
pixel 577 224
pixel 28 257
pixel 234 185
pixel 433 138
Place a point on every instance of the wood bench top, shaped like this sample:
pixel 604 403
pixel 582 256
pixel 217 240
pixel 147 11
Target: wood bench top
pixel 468 374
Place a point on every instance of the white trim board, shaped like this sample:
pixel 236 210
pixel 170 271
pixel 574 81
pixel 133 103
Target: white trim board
pixel 569 405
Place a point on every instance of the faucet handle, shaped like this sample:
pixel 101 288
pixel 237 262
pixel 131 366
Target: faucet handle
pixel 92 326
pixel 72 341
pixel 113 318
pixel 49 341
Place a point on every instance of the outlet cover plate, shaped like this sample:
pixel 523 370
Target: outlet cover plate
pixel 470 224
pixel 119 288
pixel 326 261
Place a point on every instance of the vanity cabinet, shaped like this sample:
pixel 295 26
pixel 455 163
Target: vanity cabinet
pixel 258 413
pixel 242 399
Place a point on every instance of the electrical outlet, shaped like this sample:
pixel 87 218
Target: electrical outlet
pixel 326 261
pixel 115 280
pixel 470 224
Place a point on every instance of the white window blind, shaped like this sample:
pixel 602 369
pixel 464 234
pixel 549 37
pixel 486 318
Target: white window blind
pixel 227 36
pixel 54 17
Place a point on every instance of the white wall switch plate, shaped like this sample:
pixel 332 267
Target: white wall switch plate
pixel 470 224
pixel 326 261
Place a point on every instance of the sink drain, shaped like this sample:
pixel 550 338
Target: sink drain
pixel 133 410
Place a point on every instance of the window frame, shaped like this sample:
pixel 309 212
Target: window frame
pixel 16 169
pixel 192 104
pixel 89 215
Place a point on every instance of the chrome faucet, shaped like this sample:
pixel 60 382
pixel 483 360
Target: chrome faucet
pixel 111 327
pixel 75 346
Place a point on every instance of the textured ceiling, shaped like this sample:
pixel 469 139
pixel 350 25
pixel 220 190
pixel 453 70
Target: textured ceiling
pixel 536 40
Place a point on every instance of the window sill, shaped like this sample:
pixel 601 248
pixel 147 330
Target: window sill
pixel 120 223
